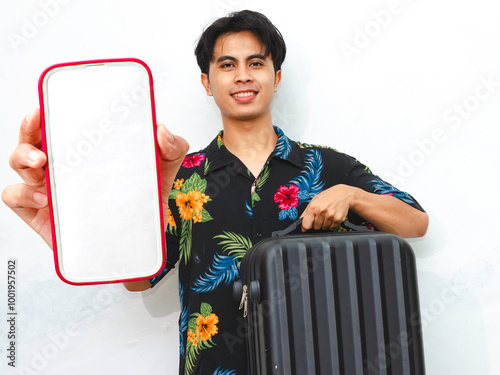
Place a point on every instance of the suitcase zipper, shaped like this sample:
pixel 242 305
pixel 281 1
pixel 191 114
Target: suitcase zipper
pixel 244 301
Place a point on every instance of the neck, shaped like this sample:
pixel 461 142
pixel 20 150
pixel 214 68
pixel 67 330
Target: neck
pixel 249 136
pixel 252 142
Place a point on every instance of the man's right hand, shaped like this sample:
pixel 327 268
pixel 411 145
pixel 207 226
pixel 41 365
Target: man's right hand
pixel 29 199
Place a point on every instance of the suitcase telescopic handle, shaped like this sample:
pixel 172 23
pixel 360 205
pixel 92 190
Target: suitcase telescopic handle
pixel 296 224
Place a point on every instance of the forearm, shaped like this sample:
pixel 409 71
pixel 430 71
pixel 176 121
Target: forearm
pixel 137 286
pixel 390 214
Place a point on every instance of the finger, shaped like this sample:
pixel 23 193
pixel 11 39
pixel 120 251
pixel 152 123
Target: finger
pixel 31 206
pixel 24 196
pixel 28 162
pixel 334 225
pixel 337 221
pixel 30 129
pixel 172 150
pixel 318 222
pixel 307 221
pixel 328 223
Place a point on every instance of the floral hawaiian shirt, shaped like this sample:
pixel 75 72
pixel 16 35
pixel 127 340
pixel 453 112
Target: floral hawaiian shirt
pixel 218 210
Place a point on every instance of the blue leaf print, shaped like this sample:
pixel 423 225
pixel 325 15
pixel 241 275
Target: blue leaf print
pixel 157 278
pixel 382 187
pixel 309 181
pixel 183 320
pixel 224 269
pixel 220 371
pixel 249 210
pixel 291 213
pixel 283 146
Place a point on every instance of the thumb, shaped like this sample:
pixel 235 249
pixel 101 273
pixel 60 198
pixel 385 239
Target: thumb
pixel 172 150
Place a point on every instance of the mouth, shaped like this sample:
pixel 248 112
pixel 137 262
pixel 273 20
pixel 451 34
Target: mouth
pixel 244 96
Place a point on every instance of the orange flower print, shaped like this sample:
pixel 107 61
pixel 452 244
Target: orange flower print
pixel 197 217
pixel 202 327
pixel 219 140
pixel 189 203
pixel 178 183
pixel 189 199
pixel 170 219
pixel 206 326
pixel 190 336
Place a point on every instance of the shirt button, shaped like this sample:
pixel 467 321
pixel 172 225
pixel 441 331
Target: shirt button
pixel 259 235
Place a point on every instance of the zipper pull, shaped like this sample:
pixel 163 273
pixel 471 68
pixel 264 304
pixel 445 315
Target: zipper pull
pixel 244 301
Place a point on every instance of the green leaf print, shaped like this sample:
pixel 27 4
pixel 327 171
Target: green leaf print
pixel 235 244
pixel 207 166
pixel 255 198
pixel 195 182
pixel 173 193
pixel 171 230
pixel 185 240
pixel 259 183
pixel 205 216
pixel 201 328
pixel 219 141
pixel 192 324
pixel 262 178
pixel 205 309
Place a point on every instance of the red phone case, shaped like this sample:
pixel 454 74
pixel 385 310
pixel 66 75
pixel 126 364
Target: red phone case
pixel 48 174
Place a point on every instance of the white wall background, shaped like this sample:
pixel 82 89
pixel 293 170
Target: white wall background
pixel 411 88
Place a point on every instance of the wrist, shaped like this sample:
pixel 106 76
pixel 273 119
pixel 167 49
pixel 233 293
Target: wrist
pixel 356 198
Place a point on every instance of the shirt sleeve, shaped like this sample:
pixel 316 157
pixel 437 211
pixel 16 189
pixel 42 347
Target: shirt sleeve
pixel 172 257
pixel 362 177
pixel 172 242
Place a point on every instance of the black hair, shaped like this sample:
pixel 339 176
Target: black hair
pixel 245 20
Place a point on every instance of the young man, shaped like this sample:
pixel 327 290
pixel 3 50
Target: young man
pixel 249 181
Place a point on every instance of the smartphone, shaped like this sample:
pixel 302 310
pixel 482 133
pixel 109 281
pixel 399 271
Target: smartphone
pixel 103 181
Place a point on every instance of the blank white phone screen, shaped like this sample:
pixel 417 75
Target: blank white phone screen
pixel 104 187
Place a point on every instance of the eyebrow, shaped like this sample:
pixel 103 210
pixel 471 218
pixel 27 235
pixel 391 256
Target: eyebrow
pixel 232 58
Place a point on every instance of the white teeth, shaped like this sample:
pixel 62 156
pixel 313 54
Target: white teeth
pixel 243 94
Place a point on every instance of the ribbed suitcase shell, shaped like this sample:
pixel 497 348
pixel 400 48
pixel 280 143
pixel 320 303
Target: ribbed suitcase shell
pixel 342 304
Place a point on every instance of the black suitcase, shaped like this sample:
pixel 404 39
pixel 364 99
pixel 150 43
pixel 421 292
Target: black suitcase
pixel 331 303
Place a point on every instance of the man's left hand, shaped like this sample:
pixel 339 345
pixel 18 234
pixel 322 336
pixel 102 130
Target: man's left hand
pixel 328 209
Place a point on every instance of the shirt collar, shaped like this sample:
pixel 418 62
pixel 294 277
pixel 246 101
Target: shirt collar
pixel 285 149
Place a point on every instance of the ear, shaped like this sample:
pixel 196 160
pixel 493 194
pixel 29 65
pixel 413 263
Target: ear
pixel 277 80
pixel 206 83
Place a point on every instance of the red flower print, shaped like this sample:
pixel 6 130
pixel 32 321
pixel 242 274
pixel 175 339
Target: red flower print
pixel 193 161
pixel 287 196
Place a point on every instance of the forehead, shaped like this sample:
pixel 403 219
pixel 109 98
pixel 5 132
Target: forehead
pixel 239 45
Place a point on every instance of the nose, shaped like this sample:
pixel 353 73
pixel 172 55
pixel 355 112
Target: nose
pixel 242 74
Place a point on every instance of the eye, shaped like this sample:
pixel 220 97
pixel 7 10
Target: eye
pixel 256 63
pixel 227 65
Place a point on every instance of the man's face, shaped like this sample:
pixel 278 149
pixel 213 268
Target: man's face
pixel 241 79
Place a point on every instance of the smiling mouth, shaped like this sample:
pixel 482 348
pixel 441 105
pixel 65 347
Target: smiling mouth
pixel 244 94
